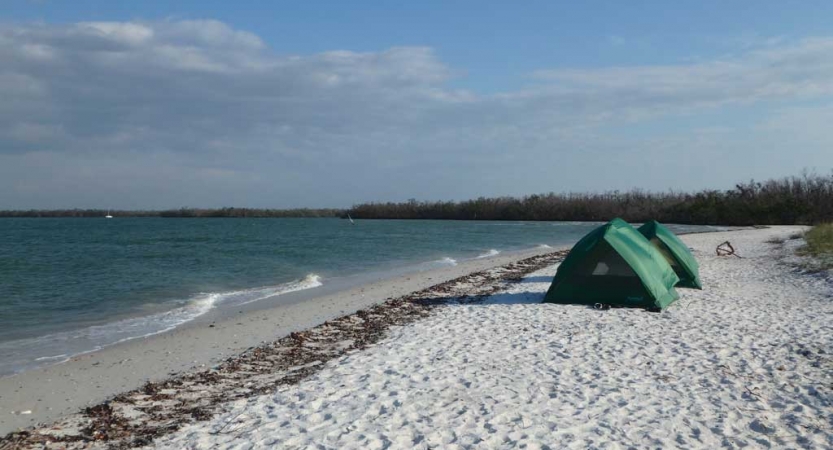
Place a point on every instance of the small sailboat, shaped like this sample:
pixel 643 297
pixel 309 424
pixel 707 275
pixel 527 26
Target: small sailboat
pixel 108 216
pixel 350 219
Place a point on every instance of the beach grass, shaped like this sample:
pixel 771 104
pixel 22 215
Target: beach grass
pixel 820 244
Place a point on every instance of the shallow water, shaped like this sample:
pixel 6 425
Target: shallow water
pixel 73 285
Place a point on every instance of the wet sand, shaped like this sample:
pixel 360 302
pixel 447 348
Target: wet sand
pixel 49 393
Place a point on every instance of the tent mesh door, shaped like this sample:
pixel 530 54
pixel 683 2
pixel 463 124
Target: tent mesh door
pixel 604 261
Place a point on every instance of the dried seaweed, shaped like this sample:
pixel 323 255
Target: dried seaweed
pixel 136 418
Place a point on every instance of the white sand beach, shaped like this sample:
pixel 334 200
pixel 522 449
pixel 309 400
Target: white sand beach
pixel 745 363
pixel 50 393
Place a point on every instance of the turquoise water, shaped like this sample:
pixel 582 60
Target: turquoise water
pixel 73 285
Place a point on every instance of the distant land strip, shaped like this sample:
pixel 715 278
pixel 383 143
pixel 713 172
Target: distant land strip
pixel 179 213
pixel 804 200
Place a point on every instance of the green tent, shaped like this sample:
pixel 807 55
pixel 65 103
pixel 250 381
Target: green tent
pixel 675 252
pixel 614 265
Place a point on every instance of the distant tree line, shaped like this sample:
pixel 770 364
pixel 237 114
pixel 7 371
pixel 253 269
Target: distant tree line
pixel 251 212
pixel 806 199
pixel 181 213
pixel 74 213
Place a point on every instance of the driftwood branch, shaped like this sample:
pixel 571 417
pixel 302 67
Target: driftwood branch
pixel 726 249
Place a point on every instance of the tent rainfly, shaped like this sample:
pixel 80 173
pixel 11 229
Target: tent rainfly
pixel 614 265
pixel 675 252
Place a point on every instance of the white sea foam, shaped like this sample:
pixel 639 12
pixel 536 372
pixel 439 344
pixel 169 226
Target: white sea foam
pixel 26 353
pixel 572 222
pixel 447 261
pixel 52 358
pixel 255 294
pixel 489 254
pixel 544 246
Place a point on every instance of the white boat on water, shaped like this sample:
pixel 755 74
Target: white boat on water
pixel 108 216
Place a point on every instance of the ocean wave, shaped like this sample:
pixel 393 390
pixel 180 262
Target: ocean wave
pixel 573 222
pixel 246 296
pixel 58 347
pixel 544 246
pixel 27 353
pixel 447 261
pixel 489 254
pixel 53 358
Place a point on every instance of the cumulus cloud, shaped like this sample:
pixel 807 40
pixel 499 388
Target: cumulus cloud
pixel 166 113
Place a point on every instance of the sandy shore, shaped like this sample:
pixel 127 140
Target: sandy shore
pixel 46 394
pixel 744 363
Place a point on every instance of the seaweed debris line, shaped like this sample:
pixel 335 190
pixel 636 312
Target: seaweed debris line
pixel 136 418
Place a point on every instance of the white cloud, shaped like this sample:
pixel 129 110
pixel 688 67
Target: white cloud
pixel 127 33
pixel 799 70
pixel 211 115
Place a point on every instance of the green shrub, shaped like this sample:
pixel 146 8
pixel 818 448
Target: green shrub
pixel 805 200
pixel 819 246
pixel 820 240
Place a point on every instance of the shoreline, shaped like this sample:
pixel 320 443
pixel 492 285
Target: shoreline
pixel 743 363
pixel 287 292
pixel 48 393
pixel 227 305
pixel 31 352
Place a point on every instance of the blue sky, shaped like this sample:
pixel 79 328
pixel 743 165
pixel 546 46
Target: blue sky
pixel 495 44
pixel 205 103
